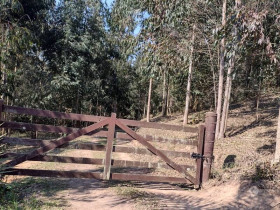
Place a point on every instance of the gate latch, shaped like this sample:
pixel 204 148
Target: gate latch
pixel 197 156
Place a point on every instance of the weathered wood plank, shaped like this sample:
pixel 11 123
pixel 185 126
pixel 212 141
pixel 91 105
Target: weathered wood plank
pixel 147 178
pixel 48 128
pixel 95 161
pixel 158 126
pixel 123 149
pixel 109 147
pixel 92 118
pixel 24 141
pixel 52 173
pixel 53 114
pixel 36 127
pixel 96 175
pixel 124 136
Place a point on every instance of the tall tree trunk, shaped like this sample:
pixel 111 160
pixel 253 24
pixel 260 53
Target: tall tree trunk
pixel 225 126
pixel 213 72
pixel 149 100
pixel 277 149
pixel 186 114
pixel 221 72
pixel 164 93
pixel 226 99
pixel 228 83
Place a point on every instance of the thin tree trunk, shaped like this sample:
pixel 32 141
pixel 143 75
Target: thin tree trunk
pixel 258 102
pixel 186 114
pixel 221 72
pixel 259 93
pixel 228 84
pixel 149 100
pixel 214 76
pixel 226 100
pixel 230 87
pixel 168 101
pixel 164 94
pixel 144 110
pixel 277 148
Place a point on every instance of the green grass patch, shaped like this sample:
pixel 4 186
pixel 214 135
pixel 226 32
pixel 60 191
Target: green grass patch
pixel 30 193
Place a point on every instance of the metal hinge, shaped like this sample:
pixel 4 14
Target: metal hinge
pixel 203 157
pixel 197 156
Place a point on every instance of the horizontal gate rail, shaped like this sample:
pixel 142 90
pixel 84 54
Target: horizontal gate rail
pixel 53 114
pixel 96 161
pixel 94 147
pixel 125 136
pixel 97 175
pixel 124 149
pixel 103 134
pixel 92 118
pixel 36 127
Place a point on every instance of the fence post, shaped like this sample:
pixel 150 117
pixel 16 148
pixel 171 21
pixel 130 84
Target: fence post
pixel 209 139
pixel 109 147
pixel 201 134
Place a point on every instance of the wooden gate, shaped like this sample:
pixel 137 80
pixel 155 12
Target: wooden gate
pixel 112 129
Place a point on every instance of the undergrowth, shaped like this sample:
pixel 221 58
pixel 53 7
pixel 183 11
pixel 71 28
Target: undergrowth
pixel 29 193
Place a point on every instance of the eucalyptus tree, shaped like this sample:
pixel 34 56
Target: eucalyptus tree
pixel 20 23
pixel 251 31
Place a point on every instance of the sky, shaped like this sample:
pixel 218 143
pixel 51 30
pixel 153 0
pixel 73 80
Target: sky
pixel 137 29
pixel 109 2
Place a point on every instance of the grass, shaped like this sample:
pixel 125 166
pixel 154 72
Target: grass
pixel 30 193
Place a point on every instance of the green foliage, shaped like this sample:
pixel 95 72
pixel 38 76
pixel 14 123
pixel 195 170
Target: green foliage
pixel 81 56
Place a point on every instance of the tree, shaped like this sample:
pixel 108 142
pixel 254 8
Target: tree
pixel 149 99
pixel 221 71
pixel 186 114
pixel 228 86
pixel 277 148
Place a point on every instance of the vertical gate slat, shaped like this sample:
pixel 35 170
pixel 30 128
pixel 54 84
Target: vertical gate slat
pixel 109 147
pixel 201 136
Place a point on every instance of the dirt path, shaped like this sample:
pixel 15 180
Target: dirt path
pixel 229 196
pixel 92 194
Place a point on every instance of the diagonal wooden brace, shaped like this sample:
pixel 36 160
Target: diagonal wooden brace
pixel 155 151
pixel 56 143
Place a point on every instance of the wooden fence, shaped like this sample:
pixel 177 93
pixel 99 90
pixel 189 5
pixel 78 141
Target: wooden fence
pixel 110 128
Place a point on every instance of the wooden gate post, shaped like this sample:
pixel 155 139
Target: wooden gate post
pixel 109 147
pixel 209 139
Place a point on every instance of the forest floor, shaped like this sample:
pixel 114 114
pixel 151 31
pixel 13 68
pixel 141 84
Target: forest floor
pixel 242 175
